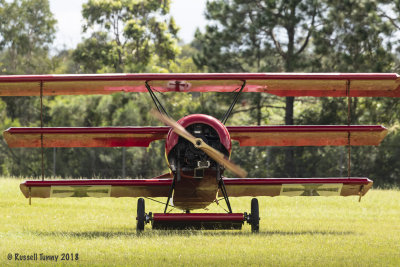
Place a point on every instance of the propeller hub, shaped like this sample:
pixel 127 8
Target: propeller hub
pixel 199 142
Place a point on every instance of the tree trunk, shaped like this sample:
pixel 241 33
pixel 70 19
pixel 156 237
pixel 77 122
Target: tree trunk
pixel 289 66
pixel 259 109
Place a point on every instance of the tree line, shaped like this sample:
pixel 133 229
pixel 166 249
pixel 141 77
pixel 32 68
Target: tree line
pixel 240 36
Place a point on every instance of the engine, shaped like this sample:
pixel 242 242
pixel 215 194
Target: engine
pixel 192 162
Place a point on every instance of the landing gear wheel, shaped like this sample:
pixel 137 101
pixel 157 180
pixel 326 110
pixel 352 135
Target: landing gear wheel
pixel 141 216
pixel 254 216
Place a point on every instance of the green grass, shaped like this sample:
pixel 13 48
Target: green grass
pixel 294 231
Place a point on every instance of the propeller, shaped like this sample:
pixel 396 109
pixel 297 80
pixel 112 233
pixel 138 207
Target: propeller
pixel 200 144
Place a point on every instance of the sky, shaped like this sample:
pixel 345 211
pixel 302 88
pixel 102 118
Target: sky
pixel 188 15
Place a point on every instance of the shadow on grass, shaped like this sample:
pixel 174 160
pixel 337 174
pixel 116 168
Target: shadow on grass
pixel 246 233
pixel 87 234
pixel 187 233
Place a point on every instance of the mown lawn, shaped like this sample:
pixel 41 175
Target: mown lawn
pixel 294 232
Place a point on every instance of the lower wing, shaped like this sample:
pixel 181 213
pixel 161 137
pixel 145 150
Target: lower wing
pixel 238 187
pixel 155 187
pixel 160 186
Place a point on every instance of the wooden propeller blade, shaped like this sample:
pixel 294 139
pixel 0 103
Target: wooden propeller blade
pixel 199 143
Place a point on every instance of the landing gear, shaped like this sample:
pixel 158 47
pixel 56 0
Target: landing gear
pixel 192 221
pixel 171 190
pixel 221 186
pixel 141 215
pixel 254 216
pixel 142 218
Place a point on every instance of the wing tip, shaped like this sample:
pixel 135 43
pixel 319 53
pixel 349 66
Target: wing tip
pixel 24 189
pixel 366 187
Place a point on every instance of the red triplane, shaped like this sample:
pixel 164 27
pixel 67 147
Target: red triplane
pixel 198 146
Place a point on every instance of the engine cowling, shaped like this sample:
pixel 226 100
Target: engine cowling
pixel 183 155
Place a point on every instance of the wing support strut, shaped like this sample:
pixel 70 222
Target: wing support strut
pixel 229 111
pixel 348 123
pixel 30 196
pixel 41 126
pixel 361 193
pixel 157 102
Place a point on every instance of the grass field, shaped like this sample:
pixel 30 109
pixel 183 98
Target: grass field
pixel 294 231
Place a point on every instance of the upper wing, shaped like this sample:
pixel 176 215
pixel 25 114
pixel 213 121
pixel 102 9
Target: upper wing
pixel 155 187
pixel 238 187
pixel 311 135
pixel 281 84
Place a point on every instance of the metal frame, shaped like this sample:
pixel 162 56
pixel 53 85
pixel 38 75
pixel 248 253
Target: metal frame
pixel 221 186
pixel 206 221
pixel 41 126
pixel 157 102
pixel 235 99
pixel 349 133
pixel 171 190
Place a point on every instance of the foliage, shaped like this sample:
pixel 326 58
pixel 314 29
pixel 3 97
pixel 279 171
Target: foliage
pixel 316 36
pixel 26 30
pixel 127 36
pixel 352 38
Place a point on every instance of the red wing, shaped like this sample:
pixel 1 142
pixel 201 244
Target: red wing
pixel 84 137
pixel 156 187
pixel 237 187
pixel 281 84
pixel 307 135
pixel 246 135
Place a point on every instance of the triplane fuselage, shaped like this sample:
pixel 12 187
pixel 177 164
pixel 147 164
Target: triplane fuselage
pixel 198 146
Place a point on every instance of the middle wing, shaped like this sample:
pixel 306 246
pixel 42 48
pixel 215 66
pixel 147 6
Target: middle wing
pixel 84 136
pixel 308 135
pixel 314 135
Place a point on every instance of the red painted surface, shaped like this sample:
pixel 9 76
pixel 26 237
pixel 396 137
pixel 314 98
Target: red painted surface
pixel 315 135
pixel 85 136
pixel 306 128
pixel 198 76
pixel 172 138
pixel 280 181
pixel 91 130
pixel 298 135
pixel 133 182
pixel 182 217
pixel 282 84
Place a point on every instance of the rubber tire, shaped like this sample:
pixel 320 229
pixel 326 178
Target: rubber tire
pixel 141 216
pixel 255 216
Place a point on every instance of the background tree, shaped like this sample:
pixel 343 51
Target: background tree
pixel 318 36
pixel 258 36
pixel 355 37
pixel 127 36
pixel 27 30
